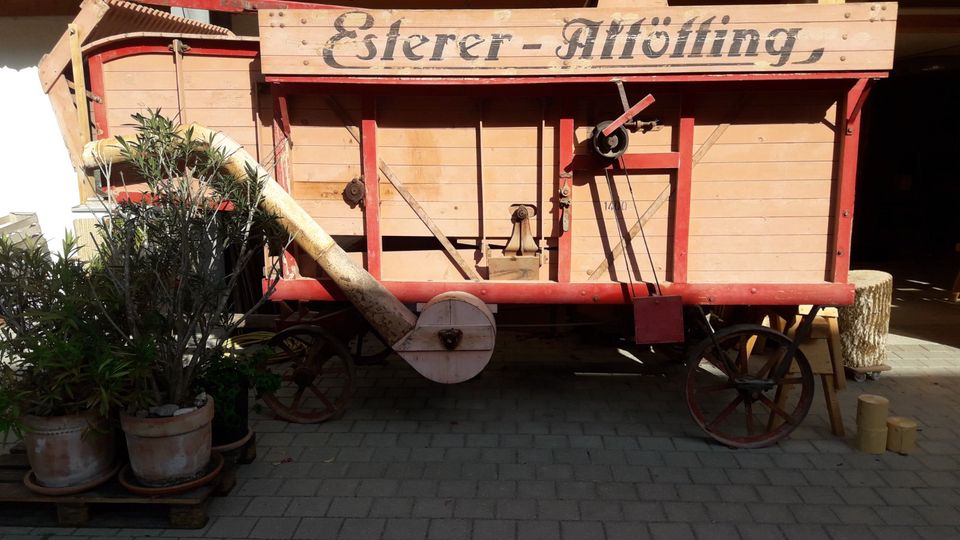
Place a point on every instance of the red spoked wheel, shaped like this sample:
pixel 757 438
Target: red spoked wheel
pixel 739 390
pixel 316 372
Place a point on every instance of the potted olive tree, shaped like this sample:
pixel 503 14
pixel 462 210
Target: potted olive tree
pixel 59 376
pixel 162 281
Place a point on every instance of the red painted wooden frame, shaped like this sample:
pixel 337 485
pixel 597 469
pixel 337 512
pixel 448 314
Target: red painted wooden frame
pixel 583 293
pixel 371 185
pixel 562 291
pixel 848 143
pixel 152 45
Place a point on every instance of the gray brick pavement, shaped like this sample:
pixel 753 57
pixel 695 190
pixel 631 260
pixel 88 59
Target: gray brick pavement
pixel 533 453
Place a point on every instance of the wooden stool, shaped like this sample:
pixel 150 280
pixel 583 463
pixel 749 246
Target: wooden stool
pixel 822 350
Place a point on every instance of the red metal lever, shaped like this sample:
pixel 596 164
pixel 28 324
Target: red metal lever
pixel 628 115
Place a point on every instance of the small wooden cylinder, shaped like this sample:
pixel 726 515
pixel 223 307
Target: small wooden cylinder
pixel 872 441
pixel 872 412
pixel 864 324
pixel 901 435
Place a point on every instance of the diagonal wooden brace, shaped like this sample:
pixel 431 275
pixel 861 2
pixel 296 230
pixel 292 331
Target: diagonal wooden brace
pixel 467 269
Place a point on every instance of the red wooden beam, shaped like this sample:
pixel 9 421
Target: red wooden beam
pixel 371 183
pixel 564 193
pixel 638 162
pixel 95 67
pixel 584 293
pixel 845 188
pixel 628 115
pixel 680 198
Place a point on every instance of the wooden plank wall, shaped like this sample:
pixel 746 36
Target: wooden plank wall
pixel 219 92
pixel 761 194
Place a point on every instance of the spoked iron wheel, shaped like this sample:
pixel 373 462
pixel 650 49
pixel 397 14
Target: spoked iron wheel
pixel 739 390
pixel 316 373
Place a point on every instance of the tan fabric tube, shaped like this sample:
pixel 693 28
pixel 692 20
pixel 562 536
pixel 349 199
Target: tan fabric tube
pixel 382 310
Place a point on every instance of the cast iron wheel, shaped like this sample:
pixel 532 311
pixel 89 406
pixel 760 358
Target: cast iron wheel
pixel 316 372
pixel 735 393
pixel 368 348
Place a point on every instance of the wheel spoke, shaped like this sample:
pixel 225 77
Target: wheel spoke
pixel 742 355
pixel 776 409
pixel 326 401
pixel 727 411
pixel 749 407
pixel 295 404
pixel 719 363
pixel 765 369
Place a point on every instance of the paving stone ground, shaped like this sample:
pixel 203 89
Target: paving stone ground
pixel 535 451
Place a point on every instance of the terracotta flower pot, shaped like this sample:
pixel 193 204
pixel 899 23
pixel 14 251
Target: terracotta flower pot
pixel 67 451
pixel 171 450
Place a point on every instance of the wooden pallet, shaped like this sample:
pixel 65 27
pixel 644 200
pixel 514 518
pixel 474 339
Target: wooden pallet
pixel 183 511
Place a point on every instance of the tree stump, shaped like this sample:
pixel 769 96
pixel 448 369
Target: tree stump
pixel 864 325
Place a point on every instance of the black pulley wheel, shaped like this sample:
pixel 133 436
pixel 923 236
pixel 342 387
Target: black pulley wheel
pixel 609 146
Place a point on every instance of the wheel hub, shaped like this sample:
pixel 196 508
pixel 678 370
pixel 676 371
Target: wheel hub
pixel 752 387
pixel 304 376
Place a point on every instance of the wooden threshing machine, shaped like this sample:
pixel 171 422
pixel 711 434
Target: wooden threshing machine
pixel 629 153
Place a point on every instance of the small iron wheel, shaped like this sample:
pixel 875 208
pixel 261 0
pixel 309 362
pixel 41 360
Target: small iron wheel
pixel 369 348
pixel 316 372
pixel 734 391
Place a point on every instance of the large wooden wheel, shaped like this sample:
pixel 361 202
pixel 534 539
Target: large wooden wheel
pixel 316 372
pixel 739 389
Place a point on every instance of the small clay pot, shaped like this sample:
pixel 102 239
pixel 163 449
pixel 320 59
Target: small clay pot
pixel 68 451
pixel 171 450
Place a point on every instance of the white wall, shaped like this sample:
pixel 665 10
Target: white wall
pixel 35 171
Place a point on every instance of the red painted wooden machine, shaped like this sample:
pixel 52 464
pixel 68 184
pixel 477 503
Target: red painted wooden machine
pixel 622 154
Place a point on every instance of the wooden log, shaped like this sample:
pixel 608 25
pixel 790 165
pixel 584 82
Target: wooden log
pixel 872 441
pixel 901 435
pixel 872 411
pixel 864 324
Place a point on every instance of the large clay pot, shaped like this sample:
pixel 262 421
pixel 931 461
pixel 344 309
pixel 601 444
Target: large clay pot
pixel 67 451
pixel 171 450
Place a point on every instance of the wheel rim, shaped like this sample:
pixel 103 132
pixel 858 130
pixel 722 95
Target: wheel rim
pixel 316 373
pixel 739 401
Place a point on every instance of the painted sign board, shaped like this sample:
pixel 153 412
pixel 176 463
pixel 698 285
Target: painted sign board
pixel 578 41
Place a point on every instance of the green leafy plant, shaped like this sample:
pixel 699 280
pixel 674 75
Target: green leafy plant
pixel 233 373
pixel 161 277
pixel 55 346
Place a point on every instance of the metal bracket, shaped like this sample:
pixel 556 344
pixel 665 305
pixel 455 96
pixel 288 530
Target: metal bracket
pixel 565 203
pixel 354 192
pixel 521 241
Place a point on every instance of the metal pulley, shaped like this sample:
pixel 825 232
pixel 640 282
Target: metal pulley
pixel 611 138
pixel 609 146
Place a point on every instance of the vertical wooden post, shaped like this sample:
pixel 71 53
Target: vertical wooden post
pixel 848 123
pixel 281 133
pixel 80 95
pixel 178 47
pixel 100 121
pixel 371 183
pixel 681 194
pixel 564 193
